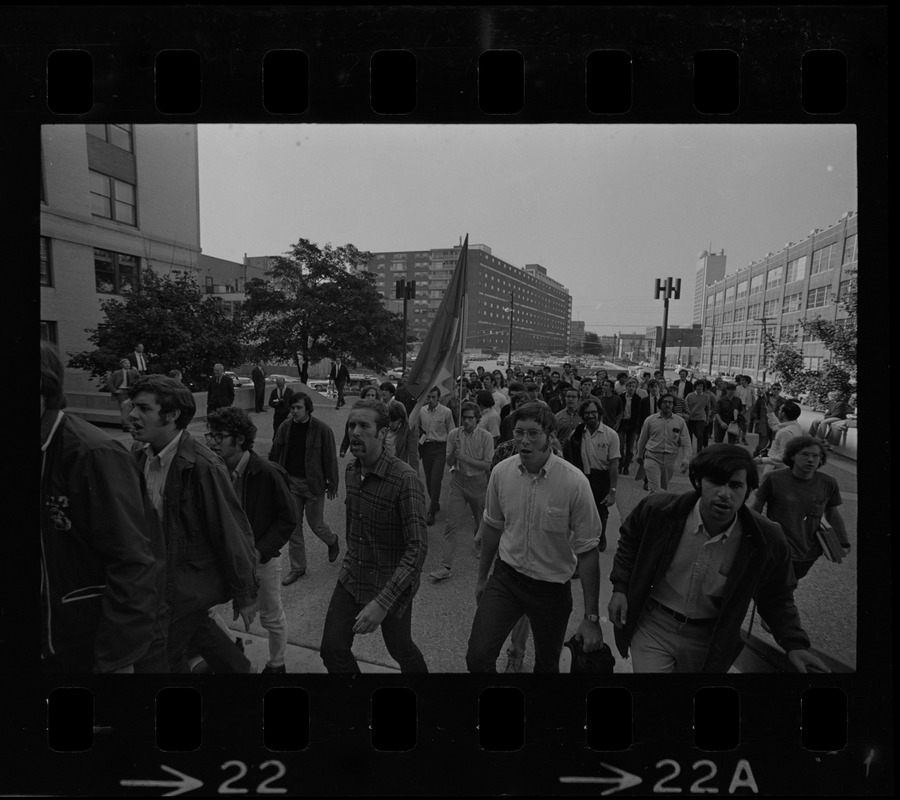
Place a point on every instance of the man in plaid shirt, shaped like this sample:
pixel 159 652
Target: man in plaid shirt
pixel 386 548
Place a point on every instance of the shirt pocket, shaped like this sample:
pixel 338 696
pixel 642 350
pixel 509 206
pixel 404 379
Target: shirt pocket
pixel 555 520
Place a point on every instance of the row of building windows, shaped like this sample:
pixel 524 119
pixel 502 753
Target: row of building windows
pixel 823 259
pixel 121 136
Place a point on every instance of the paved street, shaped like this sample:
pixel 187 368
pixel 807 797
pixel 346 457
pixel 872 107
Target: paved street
pixel 442 612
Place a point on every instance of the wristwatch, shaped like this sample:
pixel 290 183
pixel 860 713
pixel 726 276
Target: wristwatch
pixel 592 617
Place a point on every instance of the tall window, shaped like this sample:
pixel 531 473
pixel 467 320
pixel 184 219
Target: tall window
pixel 770 308
pixel 112 199
pixel 115 273
pixel 796 270
pixel 49 332
pixel 823 259
pixel 740 314
pixel 753 311
pixel 119 135
pixel 741 289
pixel 729 294
pixel 850 249
pixel 792 302
pixel 817 298
pixel 756 283
pixel 773 277
pixel 46 271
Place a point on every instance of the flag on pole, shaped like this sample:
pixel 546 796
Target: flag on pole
pixel 436 363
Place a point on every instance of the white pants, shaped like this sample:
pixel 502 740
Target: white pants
pixel 271 611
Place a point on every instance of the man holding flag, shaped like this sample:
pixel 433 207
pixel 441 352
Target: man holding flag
pixel 434 373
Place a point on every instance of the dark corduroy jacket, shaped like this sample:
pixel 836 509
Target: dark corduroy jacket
pixel 762 571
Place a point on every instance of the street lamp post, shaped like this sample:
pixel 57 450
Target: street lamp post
pixel 405 292
pixel 668 289
pixel 510 310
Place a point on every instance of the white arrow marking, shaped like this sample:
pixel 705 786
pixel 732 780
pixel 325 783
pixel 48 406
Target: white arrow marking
pixel 622 779
pixel 185 783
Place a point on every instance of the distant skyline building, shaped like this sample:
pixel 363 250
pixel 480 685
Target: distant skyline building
pixel 710 269
pixel 803 280
pixel 541 306
pixel 114 200
pixel 576 337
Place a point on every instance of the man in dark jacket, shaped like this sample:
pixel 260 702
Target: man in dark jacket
pixel 102 551
pixel 209 542
pixel 221 390
pixel 280 400
pixel 339 376
pixel 262 488
pixel 304 446
pixel 258 376
pixel 687 567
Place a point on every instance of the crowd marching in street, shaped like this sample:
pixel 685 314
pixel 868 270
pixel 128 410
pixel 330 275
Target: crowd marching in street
pixel 139 548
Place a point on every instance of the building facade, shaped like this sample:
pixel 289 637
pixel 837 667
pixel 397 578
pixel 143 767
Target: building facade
pixel 710 270
pixel 804 280
pixel 114 200
pixel 682 345
pixel 541 308
pixel 576 337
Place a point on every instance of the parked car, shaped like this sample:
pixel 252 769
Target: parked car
pixel 358 381
pixel 238 380
pixel 394 374
pixel 318 385
pixel 287 378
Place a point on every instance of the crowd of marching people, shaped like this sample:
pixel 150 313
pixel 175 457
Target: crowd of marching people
pixel 139 548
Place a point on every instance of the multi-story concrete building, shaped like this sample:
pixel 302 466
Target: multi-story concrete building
pixel 682 345
pixel 632 346
pixel 541 307
pixel 710 269
pixel 803 280
pixel 114 199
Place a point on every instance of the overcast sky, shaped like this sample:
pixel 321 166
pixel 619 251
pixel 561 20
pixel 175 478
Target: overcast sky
pixel 606 209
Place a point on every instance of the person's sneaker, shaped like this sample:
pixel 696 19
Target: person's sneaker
pixel 292 576
pixel 429 518
pixel 334 550
pixel 514 663
pixel 440 574
pixel 274 670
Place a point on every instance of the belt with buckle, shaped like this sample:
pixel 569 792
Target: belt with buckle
pixel 679 617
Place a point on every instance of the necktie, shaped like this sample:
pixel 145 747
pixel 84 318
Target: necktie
pixel 124 378
pixel 154 483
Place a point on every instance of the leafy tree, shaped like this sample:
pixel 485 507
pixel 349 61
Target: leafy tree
pixel 839 337
pixel 592 345
pixel 317 302
pixel 178 325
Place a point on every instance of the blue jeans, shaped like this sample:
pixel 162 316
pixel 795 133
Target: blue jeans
pixel 337 637
pixel 434 456
pixel 314 507
pixel 507 596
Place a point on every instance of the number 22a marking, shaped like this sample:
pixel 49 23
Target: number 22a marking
pixel 263 788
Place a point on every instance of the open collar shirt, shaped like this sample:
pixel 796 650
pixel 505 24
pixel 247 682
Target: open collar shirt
pixel 665 436
pixel 477 445
pixel 436 424
pixel 156 470
pixel 599 448
pixel 386 536
pixel 546 519
pixel 695 580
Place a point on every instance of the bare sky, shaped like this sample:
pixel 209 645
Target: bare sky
pixel 606 209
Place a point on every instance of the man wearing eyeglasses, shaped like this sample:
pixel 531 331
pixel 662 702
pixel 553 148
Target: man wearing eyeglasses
pixel 540 523
pixel 262 488
pixel 470 449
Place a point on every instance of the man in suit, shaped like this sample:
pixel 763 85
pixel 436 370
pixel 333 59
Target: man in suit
pixel 280 400
pixel 221 390
pixel 339 375
pixel 683 387
pixel 138 360
pixel 258 376
pixel 120 382
pixel 628 427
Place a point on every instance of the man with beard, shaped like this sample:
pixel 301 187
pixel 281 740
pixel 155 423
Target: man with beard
pixel 386 547
pixel 593 448
pixel 540 522
pixel 688 565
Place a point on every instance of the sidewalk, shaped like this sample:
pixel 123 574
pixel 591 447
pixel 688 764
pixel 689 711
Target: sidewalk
pixel 299 659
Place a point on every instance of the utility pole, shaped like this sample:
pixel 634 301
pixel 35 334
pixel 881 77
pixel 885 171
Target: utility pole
pixel 405 292
pixel 712 343
pixel 668 289
pixel 762 345
pixel 510 309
